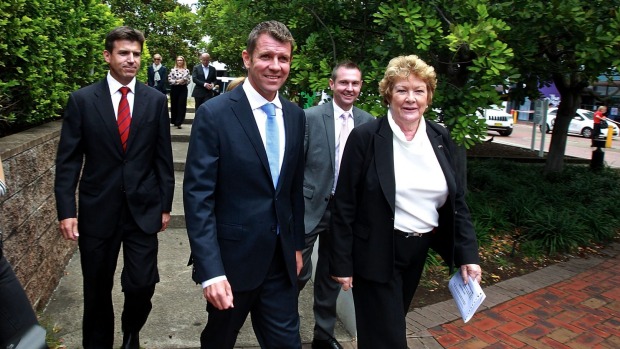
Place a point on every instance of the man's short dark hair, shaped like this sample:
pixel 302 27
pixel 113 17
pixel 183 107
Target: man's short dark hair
pixel 344 64
pixel 123 33
pixel 275 29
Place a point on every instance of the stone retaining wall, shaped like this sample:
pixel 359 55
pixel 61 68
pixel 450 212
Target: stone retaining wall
pixel 32 242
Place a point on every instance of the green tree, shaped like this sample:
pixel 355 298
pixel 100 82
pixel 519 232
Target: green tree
pixel 461 40
pixel 48 49
pixel 171 29
pixel 566 42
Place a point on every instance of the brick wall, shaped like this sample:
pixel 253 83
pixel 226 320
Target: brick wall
pixel 32 242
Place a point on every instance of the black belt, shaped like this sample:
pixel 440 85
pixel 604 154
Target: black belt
pixel 410 235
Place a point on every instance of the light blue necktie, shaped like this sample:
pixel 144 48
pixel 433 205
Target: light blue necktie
pixel 272 135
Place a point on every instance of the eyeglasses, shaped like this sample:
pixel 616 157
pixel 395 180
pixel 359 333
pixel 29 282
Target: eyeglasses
pixel 179 60
pixel 157 59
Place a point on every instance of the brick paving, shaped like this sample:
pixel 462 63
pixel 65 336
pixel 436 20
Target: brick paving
pixel 578 306
pixel 569 305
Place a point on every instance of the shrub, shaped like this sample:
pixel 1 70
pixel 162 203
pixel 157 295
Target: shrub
pixel 48 48
pixel 550 215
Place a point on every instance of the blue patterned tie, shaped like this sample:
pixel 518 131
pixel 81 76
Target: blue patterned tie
pixel 272 135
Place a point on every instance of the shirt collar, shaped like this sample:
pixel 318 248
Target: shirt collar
pixel 339 111
pixel 114 85
pixel 400 135
pixel 255 99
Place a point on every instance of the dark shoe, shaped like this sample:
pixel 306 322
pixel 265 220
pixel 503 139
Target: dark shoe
pixel 179 127
pixel 331 343
pixel 131 341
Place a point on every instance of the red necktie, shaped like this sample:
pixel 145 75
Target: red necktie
pixel 124 117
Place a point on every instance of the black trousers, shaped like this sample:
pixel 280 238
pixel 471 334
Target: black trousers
pixel 380 308
pixel 273 308
pixel 138 279
pixel 178 104
pixel 16 314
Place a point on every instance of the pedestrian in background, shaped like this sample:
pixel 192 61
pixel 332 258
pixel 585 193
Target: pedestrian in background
pixel 398 194
pixel 156 74
pixel 178 78
pixel 599 116
pixel 204 76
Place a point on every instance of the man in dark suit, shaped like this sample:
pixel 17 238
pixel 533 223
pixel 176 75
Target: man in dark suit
pixel 157 74
pixel 204 76
pixel 327 127
pixel 116 134
pixel 244 201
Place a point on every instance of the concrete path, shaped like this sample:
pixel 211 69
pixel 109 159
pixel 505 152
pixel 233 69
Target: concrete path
pixel 575 304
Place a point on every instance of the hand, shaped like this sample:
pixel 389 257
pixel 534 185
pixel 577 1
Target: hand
pixel 219 295
pixel 472 270
pixel 165 219
pixel 346 282
pixel 300 261
pixel 69 228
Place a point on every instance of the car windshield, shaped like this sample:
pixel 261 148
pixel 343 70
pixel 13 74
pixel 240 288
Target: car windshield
pixel 589 115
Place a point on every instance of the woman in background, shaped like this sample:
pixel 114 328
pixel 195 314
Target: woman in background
pixel 178 79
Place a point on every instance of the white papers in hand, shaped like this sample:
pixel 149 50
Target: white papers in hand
pixel 467 297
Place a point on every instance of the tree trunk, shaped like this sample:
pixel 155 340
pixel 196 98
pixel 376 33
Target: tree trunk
pixel 570 100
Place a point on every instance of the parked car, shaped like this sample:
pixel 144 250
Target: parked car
pixel 497 120
pixel 581 124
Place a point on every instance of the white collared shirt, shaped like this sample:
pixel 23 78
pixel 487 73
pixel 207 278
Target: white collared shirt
pixel 256 102
pixel 421 187
pixel 116 94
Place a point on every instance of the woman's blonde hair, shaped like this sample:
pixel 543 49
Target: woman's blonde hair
pixel 184 65
pixel 234 83
pixel 402 67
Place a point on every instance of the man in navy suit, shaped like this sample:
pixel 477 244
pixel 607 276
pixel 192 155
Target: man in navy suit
pixel 243 200
pixel 204 76
pixel 115 133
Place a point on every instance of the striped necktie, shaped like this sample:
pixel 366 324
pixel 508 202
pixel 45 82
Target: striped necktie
pixel 124 117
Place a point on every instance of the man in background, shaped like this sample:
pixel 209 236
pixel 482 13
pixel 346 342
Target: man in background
pixel 204 76
pixel 327 128
pixel 115 141
pixel 157 74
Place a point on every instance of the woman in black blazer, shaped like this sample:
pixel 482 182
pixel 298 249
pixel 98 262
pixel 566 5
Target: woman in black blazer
pixel 398 195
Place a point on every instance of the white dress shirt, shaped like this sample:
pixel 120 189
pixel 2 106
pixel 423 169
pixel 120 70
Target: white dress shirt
pixel 116 94
pixel 421 187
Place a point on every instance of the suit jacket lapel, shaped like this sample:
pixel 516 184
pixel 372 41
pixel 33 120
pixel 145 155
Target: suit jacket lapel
pixel 137 116
pixel 105 109
pixel 384 158
pixel 330 131
pixel 289 132
pixel 242 110
pixel 440 149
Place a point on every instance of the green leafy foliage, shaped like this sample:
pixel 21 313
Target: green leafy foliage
pixel 48 49
pixel 171 29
